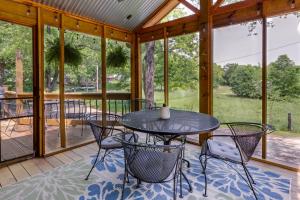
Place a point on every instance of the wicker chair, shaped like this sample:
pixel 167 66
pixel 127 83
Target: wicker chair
pixel 105 140
pixel 244 139
pixel 152 163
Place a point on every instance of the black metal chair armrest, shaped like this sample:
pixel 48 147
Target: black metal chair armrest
pixel 212 135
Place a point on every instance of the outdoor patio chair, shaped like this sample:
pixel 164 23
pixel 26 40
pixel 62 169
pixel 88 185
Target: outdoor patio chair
pixel 144 104
pixel 152 163
pixel 76 109
pixel 12 111
pixel 236 147
pixel 104 136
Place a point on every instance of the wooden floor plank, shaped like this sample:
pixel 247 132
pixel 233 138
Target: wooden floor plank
pixel 6 177
pixel 63 158
pixel 74 156
pixel 54 162
pixel 42 164
pixel 18 171
pixel 89 151
pixel 31 167
pixel 80 151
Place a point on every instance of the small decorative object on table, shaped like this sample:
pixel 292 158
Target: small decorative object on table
pixel 165 112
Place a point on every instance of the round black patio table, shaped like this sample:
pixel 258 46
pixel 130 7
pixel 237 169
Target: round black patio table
pixel 180 123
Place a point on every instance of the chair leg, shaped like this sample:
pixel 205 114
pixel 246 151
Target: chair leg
pixel 138 183
pixel 250 181
pixel 123 186
pixel 180 185
pixel 204 172
pixel 7 125
pixel 247 171
pixel 13 128
pixel 96 160
pixel 174 189
pixel 188 182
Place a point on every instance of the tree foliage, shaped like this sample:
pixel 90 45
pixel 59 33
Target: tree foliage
pixel 283 77
pixel 245 81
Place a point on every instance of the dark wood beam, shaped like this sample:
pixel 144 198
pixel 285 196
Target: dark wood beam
pixel 158 14
pixel 190 6
pixel 217 4
pixel 235 6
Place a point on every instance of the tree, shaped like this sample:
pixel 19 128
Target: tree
pixel 218 74
pixel 283 78
pixel 148 71
pixel 228 70
pixel 245 81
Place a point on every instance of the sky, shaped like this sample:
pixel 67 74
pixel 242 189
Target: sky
pixel 232 44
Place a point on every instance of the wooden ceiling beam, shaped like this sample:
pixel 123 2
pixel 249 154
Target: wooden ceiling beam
pixel 78 17
pixel 235 6
pixel 158 14
pixel 190 6
pixel 217 4
pixel 175 27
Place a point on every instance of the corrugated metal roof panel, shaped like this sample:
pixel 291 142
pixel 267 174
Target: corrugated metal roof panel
pixel 109 11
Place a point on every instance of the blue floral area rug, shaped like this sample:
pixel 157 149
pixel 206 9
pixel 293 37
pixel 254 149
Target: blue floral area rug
pixel 105 183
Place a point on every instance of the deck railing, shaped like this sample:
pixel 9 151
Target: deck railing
pixel 116 103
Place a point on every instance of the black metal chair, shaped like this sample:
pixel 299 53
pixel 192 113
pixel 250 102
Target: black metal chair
pixel 13 111
pixel 144 104
pixel 76 109
pixel 236 147
pixel 105 140
pixel 152 163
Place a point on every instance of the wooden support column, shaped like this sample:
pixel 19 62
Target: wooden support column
pixel 137 70
pixel 38 104
pixel 103 75
pixel 264 84
pixel 62 84
pixel 166 68
pixel 132 70
pixel 205 61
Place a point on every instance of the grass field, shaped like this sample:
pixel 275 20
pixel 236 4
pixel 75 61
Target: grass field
pixel 228 107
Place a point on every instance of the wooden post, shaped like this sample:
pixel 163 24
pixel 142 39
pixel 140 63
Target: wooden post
pixel 289 121
pixel 133 71
pixel 19 82
pixel 205 61
pixel 103 61
pixel 62 84
pixel 264 84
pixel 138 71
pixel 166 68
pixel 40 67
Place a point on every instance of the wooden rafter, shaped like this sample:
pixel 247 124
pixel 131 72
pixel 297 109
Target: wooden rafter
pixel 190 6
pixel 217 4
pixel 81 18
pixel 235 6
pixel 158 14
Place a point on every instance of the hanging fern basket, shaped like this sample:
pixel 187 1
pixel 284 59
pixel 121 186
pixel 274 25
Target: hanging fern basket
pixel 117 57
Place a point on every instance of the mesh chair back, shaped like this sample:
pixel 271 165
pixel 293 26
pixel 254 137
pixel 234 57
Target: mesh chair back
pixel 10 109
pixel 98 132
pixel 75 109
pixel 247 137
pixel 151 163
pixel 145 104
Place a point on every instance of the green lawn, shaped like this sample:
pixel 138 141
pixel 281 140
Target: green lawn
pixel 228 107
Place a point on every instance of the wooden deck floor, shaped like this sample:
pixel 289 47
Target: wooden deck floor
pixel 19 142
pixel 17 172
